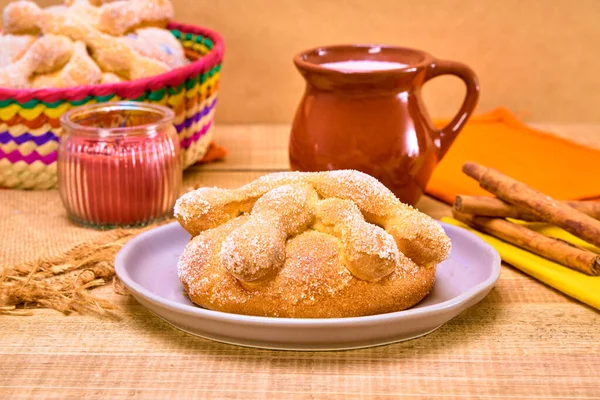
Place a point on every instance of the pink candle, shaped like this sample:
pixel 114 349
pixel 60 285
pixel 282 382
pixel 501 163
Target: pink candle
pixel 119 164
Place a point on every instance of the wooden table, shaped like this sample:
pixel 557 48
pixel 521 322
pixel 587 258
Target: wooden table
pixel 524 340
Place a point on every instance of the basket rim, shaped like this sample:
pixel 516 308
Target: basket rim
pixel 129 89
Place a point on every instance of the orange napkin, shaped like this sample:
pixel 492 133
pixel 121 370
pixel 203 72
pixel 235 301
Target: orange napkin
pixel 554 166
pixel 213 153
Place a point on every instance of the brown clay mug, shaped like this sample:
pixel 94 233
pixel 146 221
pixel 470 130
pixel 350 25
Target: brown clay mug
pixel 362 109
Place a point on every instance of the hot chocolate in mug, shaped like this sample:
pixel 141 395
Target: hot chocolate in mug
pixel 362 109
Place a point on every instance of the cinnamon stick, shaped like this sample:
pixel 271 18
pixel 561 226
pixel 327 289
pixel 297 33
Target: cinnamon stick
pixel 544 207
pixel 493 207
pixel 553 249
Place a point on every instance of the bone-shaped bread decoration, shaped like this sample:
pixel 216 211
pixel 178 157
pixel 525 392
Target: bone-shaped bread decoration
pixel 369 252
pixel 360 211
pixel 256 250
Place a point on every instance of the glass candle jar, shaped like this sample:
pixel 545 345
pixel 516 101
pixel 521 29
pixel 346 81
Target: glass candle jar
pixel 119 164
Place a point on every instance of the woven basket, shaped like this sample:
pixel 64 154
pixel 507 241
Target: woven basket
pixel 29 118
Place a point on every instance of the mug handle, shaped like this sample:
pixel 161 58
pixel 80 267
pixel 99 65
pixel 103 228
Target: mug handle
pixel 447 134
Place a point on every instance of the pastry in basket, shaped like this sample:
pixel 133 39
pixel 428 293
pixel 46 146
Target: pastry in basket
pixel 158 44
pixel 120 17
pixel 79 70
pixel 13 47
pixel 45 55
pixel 114 41
pixel 307 245
pixel 109 77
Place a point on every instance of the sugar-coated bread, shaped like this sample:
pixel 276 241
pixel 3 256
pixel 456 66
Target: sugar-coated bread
pixel 307 245
pixel 80 70
pixel 103 54
pixel 45 55
pixel 13 47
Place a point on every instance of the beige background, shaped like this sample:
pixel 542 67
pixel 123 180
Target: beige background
pixel 541 59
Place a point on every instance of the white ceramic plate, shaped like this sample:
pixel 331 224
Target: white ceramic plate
pixel 147 265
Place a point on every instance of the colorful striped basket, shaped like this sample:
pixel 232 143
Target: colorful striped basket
pixel 29 118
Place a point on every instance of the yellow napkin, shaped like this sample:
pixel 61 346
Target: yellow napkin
pixel 575 284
